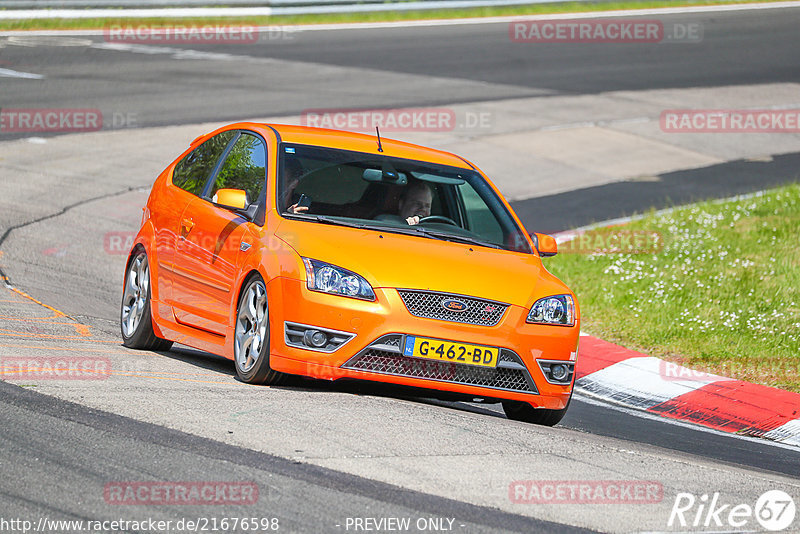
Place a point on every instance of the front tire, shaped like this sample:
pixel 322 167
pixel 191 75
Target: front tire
pixel 136 320
pixel 251 335
pixel 522 411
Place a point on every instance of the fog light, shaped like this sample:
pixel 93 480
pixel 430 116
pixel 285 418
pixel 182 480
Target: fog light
pixel 315 338
pixel 558 372
pixel 307 337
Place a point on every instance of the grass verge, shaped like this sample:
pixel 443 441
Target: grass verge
pixel 377 16
pixel 716 286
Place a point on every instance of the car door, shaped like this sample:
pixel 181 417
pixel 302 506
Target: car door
pixel 213 239
pixel 189 178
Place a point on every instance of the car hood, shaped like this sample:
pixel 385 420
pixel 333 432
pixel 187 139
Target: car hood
pixel 387 259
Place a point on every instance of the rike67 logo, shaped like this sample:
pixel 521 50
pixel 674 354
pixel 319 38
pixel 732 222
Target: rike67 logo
pixel 774 511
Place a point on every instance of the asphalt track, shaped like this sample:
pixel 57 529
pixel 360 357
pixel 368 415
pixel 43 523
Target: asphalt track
pixel 74 445
pixel 433 66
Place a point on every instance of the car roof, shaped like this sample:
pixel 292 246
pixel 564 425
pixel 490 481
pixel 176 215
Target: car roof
pixel 359 142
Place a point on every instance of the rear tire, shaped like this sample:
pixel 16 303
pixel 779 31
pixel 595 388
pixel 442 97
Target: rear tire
pixel 251 335
pixel 522 411
pixel 136 319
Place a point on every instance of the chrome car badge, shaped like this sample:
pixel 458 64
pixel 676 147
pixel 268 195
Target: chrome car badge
pixel 454 305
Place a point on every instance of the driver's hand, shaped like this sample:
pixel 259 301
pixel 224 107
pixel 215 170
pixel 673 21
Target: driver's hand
pixel 413 220
pixel 294 208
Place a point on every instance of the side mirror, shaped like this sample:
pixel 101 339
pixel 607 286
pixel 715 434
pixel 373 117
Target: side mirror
pixel 545 244
pixel 231 199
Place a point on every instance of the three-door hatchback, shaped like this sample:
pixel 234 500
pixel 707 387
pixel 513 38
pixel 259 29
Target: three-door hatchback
pixel 330 254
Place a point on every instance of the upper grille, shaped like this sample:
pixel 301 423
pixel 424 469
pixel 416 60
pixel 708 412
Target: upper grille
pixel 428 304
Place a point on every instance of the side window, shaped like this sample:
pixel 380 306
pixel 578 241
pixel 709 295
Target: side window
pixel 244 168
pixel 192 171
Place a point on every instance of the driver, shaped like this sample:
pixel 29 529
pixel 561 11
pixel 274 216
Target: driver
pixel 415 202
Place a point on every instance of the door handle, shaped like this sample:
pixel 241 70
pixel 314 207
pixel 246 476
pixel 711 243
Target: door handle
pixel 187 224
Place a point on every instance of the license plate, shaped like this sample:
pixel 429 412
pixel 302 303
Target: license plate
pixel 450 351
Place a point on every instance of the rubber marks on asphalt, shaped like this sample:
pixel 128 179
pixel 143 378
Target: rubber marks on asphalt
pixel 635 380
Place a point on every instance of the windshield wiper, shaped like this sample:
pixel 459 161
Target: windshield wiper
pixel 411 230
pixel 462 238
pixel 327 220
pixel 330 220
pixel 443 236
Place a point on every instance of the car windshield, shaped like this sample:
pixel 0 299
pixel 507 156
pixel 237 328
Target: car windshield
pixel 355 189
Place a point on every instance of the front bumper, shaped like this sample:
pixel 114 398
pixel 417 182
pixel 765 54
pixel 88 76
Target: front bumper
pixel 378 330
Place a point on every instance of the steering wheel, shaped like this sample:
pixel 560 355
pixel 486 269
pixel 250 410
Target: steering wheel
pixel 438 218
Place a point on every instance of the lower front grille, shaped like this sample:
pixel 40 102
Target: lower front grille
pixel 510 374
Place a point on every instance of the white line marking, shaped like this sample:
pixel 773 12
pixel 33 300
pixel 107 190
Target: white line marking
pixel 21 39
pixel 176 53
pixel 8 73
pixel 136 13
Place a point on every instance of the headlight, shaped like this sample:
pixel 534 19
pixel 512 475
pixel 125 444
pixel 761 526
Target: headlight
pixel 327 278
pixel 558 309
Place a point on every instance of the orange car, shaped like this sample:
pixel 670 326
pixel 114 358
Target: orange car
pixel 330 254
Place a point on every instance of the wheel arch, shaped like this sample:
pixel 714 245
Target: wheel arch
pixel 144 242
pixel 249 275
